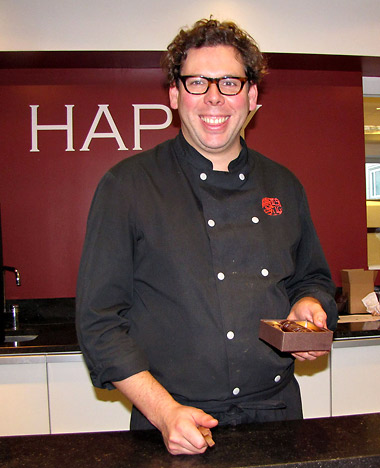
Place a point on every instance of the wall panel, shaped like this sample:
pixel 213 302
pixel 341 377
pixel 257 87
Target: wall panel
pixel 310 121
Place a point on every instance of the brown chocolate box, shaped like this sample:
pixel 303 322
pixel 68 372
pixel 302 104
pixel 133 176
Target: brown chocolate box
pixel 319 340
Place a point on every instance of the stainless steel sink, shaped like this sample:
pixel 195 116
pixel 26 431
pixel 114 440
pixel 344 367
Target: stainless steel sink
pixel 19 338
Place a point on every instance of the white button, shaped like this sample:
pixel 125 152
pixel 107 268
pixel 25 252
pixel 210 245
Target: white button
pixel 211 222
pixel 255 219
pixel 236 391
pixel 221 276
pixel 230 335
pixel 241 176
pixel 264 272
pixel 277 378
pixel 203 176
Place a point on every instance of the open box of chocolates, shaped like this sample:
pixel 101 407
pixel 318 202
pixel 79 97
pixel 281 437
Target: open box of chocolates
pixel 295 336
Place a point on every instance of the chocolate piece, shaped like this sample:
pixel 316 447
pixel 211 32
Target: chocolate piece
pixel 290 326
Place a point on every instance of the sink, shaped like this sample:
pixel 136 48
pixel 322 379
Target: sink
pixel 19 338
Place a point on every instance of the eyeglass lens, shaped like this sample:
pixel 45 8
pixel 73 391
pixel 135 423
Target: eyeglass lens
pixel 199 84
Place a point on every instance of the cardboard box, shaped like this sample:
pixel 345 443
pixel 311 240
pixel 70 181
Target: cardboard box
pixel 356 284
pixel 319 339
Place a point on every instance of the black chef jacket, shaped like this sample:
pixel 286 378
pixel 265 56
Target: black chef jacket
pixel 181 262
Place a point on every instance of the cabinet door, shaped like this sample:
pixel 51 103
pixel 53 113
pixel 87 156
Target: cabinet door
pixel 76 406
pixel 314 381
pixel 356 377
pixel 23 396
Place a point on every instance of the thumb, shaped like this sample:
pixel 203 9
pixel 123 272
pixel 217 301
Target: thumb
pixel 319 319
pixel 205 420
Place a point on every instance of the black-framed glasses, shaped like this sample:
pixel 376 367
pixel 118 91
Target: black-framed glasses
pixel 227 85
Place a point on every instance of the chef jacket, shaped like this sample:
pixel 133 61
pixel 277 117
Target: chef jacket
pixel 181 262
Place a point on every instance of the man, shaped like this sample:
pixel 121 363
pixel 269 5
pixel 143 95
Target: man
pixel 188 246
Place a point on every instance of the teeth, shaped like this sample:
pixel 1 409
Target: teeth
pixel 214 120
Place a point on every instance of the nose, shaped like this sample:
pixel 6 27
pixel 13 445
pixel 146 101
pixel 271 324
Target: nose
pixel 213 96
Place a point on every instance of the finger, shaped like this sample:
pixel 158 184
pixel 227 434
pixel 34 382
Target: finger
pixel 298 356
pixel 291 316
pixel 195 440
pixel 180 450
pixel 182 445
pixel 194 444
pixel 304 356
pixel 318 354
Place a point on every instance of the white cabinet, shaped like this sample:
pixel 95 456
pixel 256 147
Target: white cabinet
pixel 75 405
pixel 314 381
pixel 53 393
pixel 41 394
pixel 23 395
pixel 345 382
pixel 355 382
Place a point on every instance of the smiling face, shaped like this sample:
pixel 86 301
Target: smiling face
pixel 211 122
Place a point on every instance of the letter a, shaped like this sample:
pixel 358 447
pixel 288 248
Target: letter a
pixel 103 109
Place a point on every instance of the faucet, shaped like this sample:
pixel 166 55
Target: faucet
pixel 18 280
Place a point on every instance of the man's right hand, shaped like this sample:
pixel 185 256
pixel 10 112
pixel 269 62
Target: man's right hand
pixel 179 428
pixel 178 423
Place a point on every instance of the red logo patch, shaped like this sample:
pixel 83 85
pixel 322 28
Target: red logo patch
pixel 272 206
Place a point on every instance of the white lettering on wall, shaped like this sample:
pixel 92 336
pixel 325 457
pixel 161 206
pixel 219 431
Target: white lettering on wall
pixel 114 133
pixel 139 126
pixel 68 127
pixel 103 109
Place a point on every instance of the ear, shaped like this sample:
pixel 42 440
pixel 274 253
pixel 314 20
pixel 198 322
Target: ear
pixel 173 96
pixel 252 97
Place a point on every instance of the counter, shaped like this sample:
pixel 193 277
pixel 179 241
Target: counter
pixel 51 338
pixel 52 320
pixel 350 441
pixel 358 329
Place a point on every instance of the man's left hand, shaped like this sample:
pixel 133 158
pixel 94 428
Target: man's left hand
pixel 310 309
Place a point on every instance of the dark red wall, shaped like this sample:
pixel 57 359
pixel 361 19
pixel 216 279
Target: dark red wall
pixel 310 121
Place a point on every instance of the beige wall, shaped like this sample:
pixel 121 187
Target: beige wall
pixel 373 239
pixel 344 27
pixel 373 214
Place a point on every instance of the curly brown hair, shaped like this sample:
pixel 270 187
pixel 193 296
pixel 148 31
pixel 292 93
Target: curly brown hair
pixel 209 33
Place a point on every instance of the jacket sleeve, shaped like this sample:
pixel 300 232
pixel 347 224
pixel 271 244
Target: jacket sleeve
pixel 312 274
pixel 105 286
